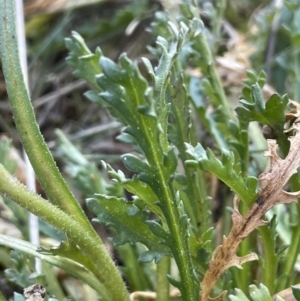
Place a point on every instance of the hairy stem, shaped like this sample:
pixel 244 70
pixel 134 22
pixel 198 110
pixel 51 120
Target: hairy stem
pixel 32 139
pixel 189 288
pixel 54 216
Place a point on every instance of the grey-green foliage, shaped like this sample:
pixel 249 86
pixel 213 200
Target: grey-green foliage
pixel 144 112
pixel 257 293
pixel 159 123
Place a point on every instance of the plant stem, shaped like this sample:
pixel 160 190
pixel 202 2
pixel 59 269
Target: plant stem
pixel 296 55
pixel 208 68
pixel 217 23
pixel 108 275
pixel 66 264
pixel 293 250
pixel 270 259
pixel 178 232
pixel 291 256
pixel 32 139
pixel 162 283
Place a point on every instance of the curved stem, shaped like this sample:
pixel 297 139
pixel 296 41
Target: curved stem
pixel 63 263
pixel 108 274
pixel 24 117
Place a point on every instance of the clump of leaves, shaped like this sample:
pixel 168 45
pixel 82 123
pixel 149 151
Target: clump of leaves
pixel 169 211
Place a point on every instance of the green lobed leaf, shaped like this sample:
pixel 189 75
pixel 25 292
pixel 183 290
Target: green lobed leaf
pixel 129 223
pixel 225 131
pixel 260 293
pixel 130 100
pixel 246 189
pixel 161 75
pixel 84 62
pixel 271 112
pixel 138 188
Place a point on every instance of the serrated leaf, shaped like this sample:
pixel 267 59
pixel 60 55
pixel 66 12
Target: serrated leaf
pixel 246 189
pixel 271 112
pixel 112 212
pixel 130 100
pixel 84 62
pixel 138 188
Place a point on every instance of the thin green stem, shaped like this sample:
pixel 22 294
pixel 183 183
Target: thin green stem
pixel 217 23
pixel 162 283
pixel 296 55
pixel 208 67
pixel 32 139
pixel 293 250
pixel 108 273
pixel 163 188
pixel 270 259
pixel 291 256
pixel 181 252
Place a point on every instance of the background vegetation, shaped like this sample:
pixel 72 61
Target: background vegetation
pixel 259 36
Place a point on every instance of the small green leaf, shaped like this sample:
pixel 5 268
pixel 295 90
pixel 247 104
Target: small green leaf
pixel 113 212
pixel 296 292
pixel 260 293
pixel 174 282
pixel 159 231
pixel 271 112
pixel 246 189
pixel 84 62
pixel 144 170
pixel 112 71
pixel 129 99
pixel 282 249
pixel 135 164
pixel 68 250
pixel 137 188
pixel 238 296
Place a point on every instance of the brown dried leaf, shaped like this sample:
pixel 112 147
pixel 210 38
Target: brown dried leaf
pixel 272 194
